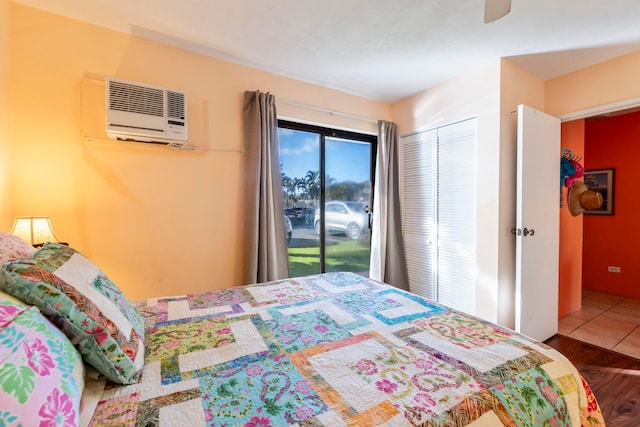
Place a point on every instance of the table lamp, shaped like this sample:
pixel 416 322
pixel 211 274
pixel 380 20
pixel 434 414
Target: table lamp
pixel 35 230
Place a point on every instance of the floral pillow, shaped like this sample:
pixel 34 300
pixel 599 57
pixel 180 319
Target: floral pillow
pixel 41 373
pixel 89 308
pixel 10 308
pixel 13 248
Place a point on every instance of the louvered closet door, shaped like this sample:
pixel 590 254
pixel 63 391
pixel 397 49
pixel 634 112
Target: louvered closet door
pixel 456 218
pixel 438 213
pixel 418 210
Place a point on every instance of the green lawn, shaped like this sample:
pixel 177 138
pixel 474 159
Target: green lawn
pixel 350 255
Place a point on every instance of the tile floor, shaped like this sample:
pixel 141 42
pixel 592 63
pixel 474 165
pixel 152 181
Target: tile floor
pixel 607 321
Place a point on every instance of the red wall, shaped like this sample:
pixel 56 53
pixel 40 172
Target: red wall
pixel 614 142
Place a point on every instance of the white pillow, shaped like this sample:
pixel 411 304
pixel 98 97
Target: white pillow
pixel 13 248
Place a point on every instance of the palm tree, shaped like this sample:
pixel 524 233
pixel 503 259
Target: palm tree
pixel 296 188
pixel 290 189
pixel 312 184
pixel 286 185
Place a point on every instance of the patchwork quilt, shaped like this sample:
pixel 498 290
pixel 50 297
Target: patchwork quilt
pixel 336 349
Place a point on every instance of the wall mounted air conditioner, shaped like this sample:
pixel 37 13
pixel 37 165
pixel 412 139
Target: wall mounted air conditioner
pixel 144 113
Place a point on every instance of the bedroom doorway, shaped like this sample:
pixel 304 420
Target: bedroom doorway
pixel 327 177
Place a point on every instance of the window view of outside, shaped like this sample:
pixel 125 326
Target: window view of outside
pixel 347 193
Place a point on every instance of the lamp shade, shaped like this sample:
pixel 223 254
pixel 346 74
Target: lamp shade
pixel 35 230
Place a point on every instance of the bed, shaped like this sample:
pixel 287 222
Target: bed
pixel 333 349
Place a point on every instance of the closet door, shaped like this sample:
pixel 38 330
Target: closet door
pixel 456 218
pixel 438 213
pixel 418 183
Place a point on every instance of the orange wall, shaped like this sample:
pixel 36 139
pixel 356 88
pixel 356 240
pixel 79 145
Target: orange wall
pixel 613 240
pixel 605 83
pixel 570 266
pixel 603 87
pixel 6 214
pixel 158 221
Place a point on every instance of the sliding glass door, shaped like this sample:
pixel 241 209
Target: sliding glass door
pixel 327 187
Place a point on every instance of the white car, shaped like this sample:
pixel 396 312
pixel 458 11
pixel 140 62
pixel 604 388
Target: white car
pixel 349 218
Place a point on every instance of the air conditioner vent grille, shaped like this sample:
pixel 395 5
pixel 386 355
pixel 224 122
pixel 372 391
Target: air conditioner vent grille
pixel 145 113
pixel 175 105
pixel 136 99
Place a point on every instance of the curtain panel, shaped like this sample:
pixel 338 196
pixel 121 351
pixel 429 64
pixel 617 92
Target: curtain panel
pixel 266 255
pixel 387 262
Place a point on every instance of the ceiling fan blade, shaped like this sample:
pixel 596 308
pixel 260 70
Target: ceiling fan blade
pixel 495 9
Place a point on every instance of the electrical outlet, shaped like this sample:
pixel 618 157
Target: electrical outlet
pixel 613 269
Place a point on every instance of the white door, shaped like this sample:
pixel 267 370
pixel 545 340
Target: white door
pixel 537 223
pixel 418 183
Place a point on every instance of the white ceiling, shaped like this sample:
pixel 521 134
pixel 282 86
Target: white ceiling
pixel 379 49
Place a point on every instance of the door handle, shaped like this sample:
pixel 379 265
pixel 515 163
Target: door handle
pixel 524 232
pixel 367 210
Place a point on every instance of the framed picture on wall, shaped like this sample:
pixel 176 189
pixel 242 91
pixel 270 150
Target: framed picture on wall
pixel 601 181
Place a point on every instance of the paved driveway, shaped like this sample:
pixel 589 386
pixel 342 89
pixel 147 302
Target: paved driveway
pixel 306 236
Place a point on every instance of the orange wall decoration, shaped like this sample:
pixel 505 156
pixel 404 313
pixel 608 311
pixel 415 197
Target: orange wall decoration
pixel 614 142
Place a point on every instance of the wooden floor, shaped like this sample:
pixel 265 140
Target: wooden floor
pixel 613 377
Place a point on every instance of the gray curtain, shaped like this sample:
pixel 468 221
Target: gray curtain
pixel 266 255
pixel 388 262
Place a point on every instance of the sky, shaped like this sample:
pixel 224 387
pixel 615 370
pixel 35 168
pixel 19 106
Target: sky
pixel 345 161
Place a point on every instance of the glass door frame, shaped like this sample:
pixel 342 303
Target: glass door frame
pixel 324 133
